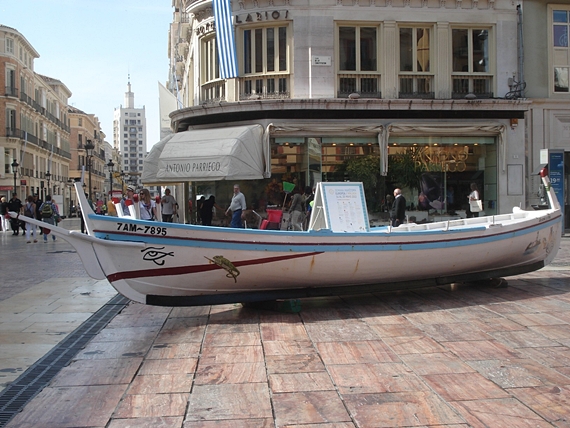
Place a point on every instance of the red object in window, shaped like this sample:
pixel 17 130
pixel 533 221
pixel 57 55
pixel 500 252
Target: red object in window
pixel 274 216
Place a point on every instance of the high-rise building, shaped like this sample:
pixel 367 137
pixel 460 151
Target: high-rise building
pixel 129 137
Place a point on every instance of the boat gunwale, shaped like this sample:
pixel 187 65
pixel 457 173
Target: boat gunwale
pixel 469 237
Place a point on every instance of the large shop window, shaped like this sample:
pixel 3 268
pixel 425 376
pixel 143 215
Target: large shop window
pixel 358 68
pixel 559 18
pixel 264 63
pixel 436 172
pixel 415 78
pixel 472 71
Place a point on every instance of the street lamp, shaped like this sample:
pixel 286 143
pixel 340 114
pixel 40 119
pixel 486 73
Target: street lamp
pixel 110 165
pixel 48 176
pixel 89 148
pixel 70 184
pixel 15 166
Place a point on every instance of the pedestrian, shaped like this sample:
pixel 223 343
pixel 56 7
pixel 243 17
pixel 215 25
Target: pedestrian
pixel 50 215
pixel 473 196
pixel 30 212
pixel 236 207
pixel 15 205
pixel 169 206
pixel 398 211
pixel 308 198
pixel 38 203
pixel 4 212
pixel 296 212
pixel 128 200
pixel 207 211
pixel 147 206
pixel 90 203
pixel 200 209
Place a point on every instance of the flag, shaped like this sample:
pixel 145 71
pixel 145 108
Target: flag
pixel 225 39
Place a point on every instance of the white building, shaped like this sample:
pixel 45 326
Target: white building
pixel 129 137
pixel 424 88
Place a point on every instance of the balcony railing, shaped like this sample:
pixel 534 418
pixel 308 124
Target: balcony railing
pixel 213 92
pixel 366 85
pixel 18 133
pixel 419 86
pixel 272 86
pixel 11 91
pixel 480 86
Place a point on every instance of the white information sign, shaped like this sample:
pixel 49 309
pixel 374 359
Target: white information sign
pixel 340 207
pixel 321 60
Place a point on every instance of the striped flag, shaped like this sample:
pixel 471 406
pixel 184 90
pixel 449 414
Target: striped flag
pixel 225 40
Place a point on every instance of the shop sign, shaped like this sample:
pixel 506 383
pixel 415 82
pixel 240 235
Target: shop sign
pixel 6 187
pixel 262 16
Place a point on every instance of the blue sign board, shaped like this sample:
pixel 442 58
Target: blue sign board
pixel 556 175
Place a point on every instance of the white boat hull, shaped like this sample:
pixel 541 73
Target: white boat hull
pixel 189 261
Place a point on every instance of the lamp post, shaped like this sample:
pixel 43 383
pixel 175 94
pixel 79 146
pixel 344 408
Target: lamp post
pixel 89 148
pixel 15 166
pixel 110 165
pixel 48 176
pixel 70 184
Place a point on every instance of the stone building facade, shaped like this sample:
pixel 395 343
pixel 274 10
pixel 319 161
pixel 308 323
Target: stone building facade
pixel 34 127
pixel 428 82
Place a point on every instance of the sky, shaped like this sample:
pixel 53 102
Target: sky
pixel 92 46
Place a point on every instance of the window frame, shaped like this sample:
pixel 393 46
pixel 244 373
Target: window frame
pixel 471 77
pixel 428 77
pixel 264 78
pixel 212 86
pixel 10 46
pixel 359 76
pixel 264 49
pixel 553 65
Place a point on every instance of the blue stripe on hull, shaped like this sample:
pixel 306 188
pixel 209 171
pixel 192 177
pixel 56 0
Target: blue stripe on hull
pixel 323 246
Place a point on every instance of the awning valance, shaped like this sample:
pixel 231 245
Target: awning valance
pixel 234 153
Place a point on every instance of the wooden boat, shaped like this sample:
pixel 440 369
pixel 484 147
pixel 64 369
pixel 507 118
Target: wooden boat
pixel 185 265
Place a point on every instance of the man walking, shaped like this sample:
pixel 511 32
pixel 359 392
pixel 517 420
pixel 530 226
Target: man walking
pixel 38 203
pixel 236 207
pixel 169 206
pixel 15 205
pixel 398 211
pixel 49 215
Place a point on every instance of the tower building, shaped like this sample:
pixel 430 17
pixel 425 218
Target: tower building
pixel 129 137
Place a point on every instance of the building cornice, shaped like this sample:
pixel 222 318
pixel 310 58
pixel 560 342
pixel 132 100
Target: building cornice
pixel 331 109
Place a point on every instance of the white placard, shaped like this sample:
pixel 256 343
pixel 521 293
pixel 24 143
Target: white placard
pixel 321 60
pixel 340 207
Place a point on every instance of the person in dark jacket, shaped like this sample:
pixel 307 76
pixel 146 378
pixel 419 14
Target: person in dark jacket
pixel 15 205
pixel 398 211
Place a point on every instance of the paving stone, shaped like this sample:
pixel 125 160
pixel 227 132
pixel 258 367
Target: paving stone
pixel 446 356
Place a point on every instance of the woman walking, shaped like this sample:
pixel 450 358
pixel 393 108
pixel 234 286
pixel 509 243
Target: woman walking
pixel 147 206
pixel 30 211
